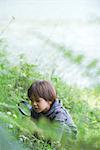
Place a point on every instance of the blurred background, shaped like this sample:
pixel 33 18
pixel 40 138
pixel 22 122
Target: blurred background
pixel 58 40
pixel 61 36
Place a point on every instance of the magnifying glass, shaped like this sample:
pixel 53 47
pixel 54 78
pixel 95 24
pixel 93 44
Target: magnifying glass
pixel 25 108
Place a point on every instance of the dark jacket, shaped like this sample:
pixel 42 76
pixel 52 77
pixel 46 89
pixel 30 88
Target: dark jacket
pixel 57 113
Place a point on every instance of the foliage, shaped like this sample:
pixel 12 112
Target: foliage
pixel 83 104
pixel 7 142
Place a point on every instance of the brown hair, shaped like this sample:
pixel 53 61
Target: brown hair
pixel 43 89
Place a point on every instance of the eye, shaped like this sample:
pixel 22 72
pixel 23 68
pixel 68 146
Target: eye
pixel 37 100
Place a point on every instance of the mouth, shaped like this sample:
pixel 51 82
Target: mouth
pixel 36 109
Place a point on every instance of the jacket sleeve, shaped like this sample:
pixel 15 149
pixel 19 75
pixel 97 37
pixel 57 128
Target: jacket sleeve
pixel 66 122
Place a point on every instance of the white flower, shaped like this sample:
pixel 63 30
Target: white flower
pixel 8 113
pixel 14 115
pixel 10 126
pixel 22 138
pixel 9 85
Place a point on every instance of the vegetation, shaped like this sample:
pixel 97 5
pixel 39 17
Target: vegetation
pixel 83 105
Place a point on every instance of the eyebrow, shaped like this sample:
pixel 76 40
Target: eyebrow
pixel 35 99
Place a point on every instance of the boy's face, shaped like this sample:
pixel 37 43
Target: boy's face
pixel 40 104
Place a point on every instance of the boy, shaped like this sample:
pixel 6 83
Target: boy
pixel 45 103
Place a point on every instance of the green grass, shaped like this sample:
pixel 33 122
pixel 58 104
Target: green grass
pixel 14 82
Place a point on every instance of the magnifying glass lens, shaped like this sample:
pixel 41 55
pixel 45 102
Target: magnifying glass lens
pixel 25 108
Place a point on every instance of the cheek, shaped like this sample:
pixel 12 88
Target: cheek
pixel 43 105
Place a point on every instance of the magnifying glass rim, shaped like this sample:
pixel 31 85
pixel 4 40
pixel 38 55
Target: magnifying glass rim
pixel 27 104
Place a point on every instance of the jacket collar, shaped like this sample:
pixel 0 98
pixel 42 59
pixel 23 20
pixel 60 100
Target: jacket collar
pixel 56 105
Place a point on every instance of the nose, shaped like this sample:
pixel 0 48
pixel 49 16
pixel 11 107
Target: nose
pixel 34 104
